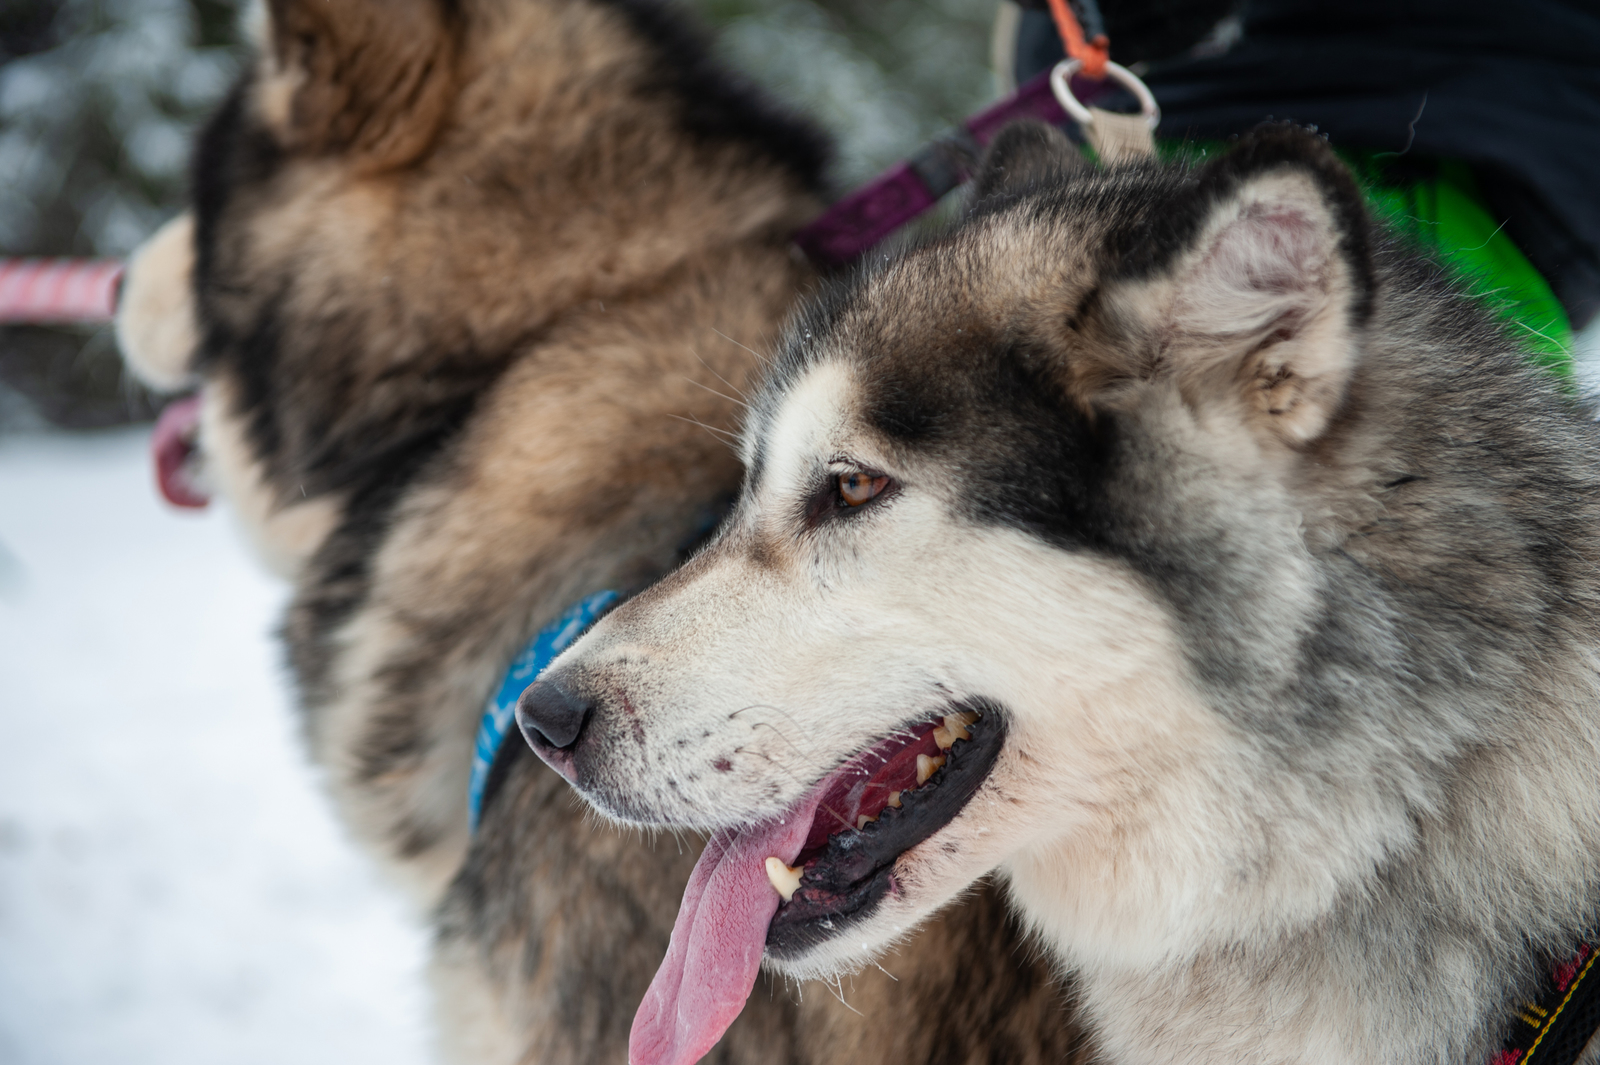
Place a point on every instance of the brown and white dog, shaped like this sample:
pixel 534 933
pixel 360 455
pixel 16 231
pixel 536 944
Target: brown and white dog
pixel 463 287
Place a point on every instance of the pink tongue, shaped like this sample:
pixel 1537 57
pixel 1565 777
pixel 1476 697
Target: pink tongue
pixel 717 941
pixel 171 445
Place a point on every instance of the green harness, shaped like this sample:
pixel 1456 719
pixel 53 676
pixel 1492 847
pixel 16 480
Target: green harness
pixel 1445 213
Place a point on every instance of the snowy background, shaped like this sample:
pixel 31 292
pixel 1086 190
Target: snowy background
pixel 173 888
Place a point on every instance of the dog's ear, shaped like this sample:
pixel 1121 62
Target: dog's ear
pixel 1271 286
pixel 371 78
pixel 1026 154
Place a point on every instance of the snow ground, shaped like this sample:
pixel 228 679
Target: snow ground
pixel 173 887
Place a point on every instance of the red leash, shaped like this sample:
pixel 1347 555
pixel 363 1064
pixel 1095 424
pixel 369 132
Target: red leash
pixel 58 291
pixel 1093 54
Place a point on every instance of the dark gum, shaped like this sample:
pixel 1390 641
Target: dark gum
pixel 855 870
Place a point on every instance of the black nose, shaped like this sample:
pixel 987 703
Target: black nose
pixel 551 718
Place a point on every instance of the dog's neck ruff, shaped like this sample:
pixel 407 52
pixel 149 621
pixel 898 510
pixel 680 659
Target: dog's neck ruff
pixel 523 671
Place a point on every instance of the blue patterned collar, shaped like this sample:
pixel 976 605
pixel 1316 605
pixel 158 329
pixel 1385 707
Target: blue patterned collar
pixel 499 715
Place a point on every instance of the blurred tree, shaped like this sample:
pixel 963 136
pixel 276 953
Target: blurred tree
pixel 98 99
pixel 883 75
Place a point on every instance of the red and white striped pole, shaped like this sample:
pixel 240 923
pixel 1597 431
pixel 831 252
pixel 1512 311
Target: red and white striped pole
pixel 58 291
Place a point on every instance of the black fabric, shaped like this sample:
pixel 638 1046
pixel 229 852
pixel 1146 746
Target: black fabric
pixel 1555 1029
pixel 1511 87
pixel 1146 29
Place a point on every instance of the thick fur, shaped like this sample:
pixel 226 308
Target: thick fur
pixel 1278 560
pixel 458 283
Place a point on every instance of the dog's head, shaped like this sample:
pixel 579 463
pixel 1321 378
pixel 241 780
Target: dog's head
pixel 941 631
pixel 263 293
pixel 396 198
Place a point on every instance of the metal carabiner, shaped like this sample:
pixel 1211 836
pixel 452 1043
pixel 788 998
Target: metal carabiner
pixel 1060 84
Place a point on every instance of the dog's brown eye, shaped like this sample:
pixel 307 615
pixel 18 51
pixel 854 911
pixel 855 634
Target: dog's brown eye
pixel 856 488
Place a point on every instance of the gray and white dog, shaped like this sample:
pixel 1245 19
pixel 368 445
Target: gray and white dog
pixel 1171 541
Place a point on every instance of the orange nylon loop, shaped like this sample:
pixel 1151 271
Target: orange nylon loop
pixel 1092 54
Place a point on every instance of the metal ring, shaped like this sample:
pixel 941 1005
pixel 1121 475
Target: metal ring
pixel 1061 76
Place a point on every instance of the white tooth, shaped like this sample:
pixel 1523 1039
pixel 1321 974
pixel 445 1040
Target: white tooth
pixel 944 737
pixel 894 799
pixel 956 725
pixel 863 821
pixel 785 880
pixel 926 767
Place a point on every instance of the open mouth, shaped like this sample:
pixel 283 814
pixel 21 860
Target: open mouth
pixel 880 805
pixel 845 837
